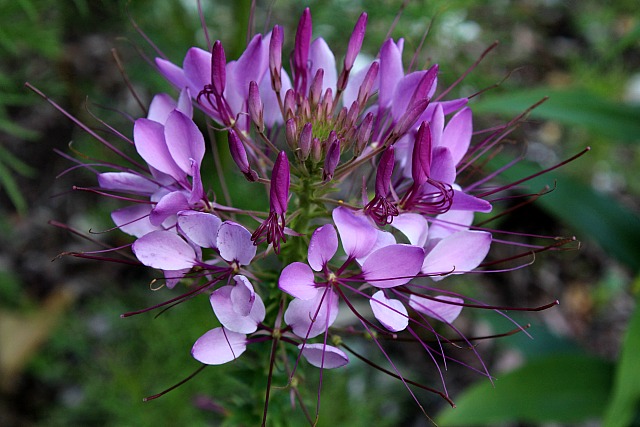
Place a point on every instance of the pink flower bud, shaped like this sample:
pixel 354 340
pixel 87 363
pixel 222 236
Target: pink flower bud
pixel 256 109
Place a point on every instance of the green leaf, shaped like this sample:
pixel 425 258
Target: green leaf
pixel 569 107
pixel 625 398
pixel 591 214
pixel 564 389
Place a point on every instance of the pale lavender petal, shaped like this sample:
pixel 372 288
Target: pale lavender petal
pixel 172 72
pixel 160 107
pixel 450 222
pixel 242 295
pixel 322 246
pixel 185 104
pixel 321 56
pixel 392 265
pixel 324 356
pixel 184 140
pixel 356 79
pixel 306 320
pixel 414 226
pixel 164 250
pixel 223 307
pixel 172 277
pixel 384 238
pixel 458 253
pixel 169 205
pixel 443 168
pixel 127 181
pixel 234 243
pixel 457 134
pixel 390 312
pixel 437 125
pixel 219 346
pixel 297 280
pixel 134 220
pixel 391 71
pixel 251 65
pixel 199 227
pixel 442 311
pixel 404 92
pixel 272 114
pixel 197 69
pixel 466 202
pixel 150 143
pixel 358 235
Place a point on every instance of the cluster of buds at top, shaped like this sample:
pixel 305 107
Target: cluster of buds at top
pixel 378 137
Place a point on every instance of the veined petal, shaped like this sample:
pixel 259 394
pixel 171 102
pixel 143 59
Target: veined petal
pixel 450 222
pixel 356 232
pixel 219 346
pixel 164 250
pixel 184 141
pixel 392 265
pixel 234 243
pixel 320 56
pixel 297 280
pixel 152 147
pixel 390 312
pixel 242 295
pixel 168 205
pixel 384 238
pixel 310 318
pixel 458 253
pixel 134 220
pixel 127 181
pixel 199 227
pixel 223 307
pixel 442 311
pixel 322 246
pixel 414 226
pixel 324 356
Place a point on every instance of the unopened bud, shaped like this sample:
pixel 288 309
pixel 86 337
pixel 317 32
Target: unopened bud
pixel 256 109
pixel 280 180
pixel 218 68
pixel 291 133
pixel 363 135
pixel 239 156
pixel 275 58
pixel 289 104
pixel 332 158
pixel 304 144
pixel 367 84
pixel 316 150
pixel 421 156
pixel 315 91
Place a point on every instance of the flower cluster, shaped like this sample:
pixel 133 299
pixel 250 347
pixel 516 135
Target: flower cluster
pixel 362 169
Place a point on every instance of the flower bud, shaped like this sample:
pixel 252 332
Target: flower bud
pixel 304 144
pixel 315 91
pixel 316 150
pixel 332 158
pixel 363 134
pixel 301 52
pixel 290 133
pixel 239 156
pixel 218 68
pixel 275 58
pixel 280 180
pixel 384 172
pixel 421 158
pixel 367 84
pixel 256 109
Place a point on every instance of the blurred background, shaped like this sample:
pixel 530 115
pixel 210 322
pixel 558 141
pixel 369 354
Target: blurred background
pixel 66 356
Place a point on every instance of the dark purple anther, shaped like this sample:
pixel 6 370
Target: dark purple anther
pixel 380 209
pixel 383 174
pixel 421 159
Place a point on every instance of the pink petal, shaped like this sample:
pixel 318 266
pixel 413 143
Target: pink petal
pixel 458 253
pixel 438 310
pixel 234 243
pixel 356 232
pixel 150 144
pixel 184 141
pixel 390 312
pixel 322 246
pixel 414 226
pixel 164 250
pixel 457 134
pixel 324 356
pixel 134 220
pixel 393 265
pixel 199 227
pixel 320 56
pixel 297 280
pixel 300 313
pixel 219 346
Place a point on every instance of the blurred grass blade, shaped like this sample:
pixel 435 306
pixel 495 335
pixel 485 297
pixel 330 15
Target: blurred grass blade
pixel 626 391
pixel 563 389
pixel 569 107
pixel 590 214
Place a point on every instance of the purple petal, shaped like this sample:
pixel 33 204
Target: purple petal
pixel 442 311
pixel 272 114
pixel 160 107
pixel 251 66
pixel 152 147
pixel 466 202
pixel 172 72
pixel 391 71
pixel 199 227
pixel 443 168
pixel 164 250
pixel 197 69
pixel 320 56
pixel 393 265
pixel 223 307
pixel 234 243
pixel 414 226
pixel 390 312
pixel 134 220
pixel 458 253
pixel 168 205
pixel 127 181
pixel 242 295
pixel 219 346
pixel 356 232
pixel 384 238
pixel 184 140
pixel 324 356
pixel 306 320
pixel 297 280
pixel 280 181
pixel 457 134
pixel 450 222
pixel 322 246
pixel 172 277
pixel 185 105
pixel 404 93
